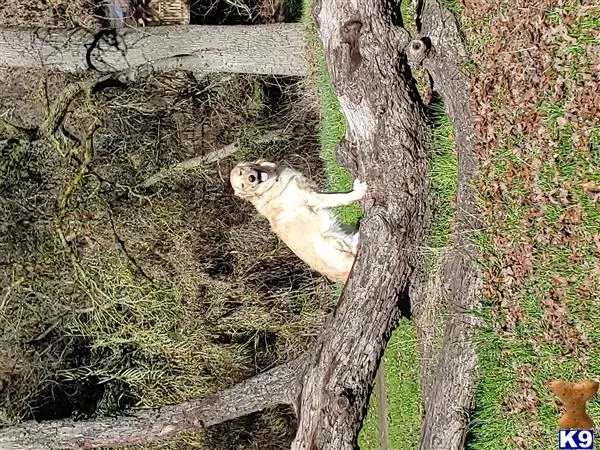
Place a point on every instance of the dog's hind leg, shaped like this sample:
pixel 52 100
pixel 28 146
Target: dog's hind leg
pixel 351 241
pixel 355 242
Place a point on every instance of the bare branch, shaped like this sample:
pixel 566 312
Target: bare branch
pixel 275 387
pixel 199 161
pixel 56 112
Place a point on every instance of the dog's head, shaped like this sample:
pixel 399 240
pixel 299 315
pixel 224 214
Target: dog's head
pixel 252 179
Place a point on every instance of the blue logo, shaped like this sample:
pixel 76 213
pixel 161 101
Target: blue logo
pixel 575 439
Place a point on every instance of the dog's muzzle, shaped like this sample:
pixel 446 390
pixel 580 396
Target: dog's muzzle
pixel 258 176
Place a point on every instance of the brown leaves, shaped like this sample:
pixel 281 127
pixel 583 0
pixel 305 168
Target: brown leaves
pixel 592 190
pixel 535 103
pixel 524 399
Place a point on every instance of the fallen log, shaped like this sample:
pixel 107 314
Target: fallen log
pixel 449 383
pixel 275 49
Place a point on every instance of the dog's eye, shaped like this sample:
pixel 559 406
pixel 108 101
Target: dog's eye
pixel 242 185
pixel 252 178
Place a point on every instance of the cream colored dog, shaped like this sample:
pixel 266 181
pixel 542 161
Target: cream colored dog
pixel 300 216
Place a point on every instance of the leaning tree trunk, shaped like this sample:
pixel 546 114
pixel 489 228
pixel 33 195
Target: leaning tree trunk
pixel 385 146
pixel 263 49
pixel 448 389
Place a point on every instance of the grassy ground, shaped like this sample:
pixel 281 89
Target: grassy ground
pixel 535 85
pixel 539 142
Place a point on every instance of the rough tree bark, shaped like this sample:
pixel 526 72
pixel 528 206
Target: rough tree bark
pixel 384 145
pixel 263 49
pixel 449 389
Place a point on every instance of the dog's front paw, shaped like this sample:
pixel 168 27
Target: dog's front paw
pixel 359 189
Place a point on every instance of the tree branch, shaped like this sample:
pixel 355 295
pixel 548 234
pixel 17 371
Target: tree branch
pixel 275 387
pixel 385 136
pixel 199 161
pixel 450 398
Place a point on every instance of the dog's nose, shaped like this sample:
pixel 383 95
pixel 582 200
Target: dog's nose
pixel 251 178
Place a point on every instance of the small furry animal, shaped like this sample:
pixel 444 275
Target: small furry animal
pixel 300 215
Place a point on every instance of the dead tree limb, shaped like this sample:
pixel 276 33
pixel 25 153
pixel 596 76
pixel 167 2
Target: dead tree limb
pixel 199 161
pixel 55 113
pixel 277 386
pixel 449 393
pixel 264 49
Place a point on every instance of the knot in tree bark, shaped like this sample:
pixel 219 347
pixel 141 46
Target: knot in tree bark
pixel 341 404
pixel 417 50
pixel 376 223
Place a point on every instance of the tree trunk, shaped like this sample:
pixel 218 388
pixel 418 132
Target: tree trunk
pixel 449 393
pixel 385 146
pixel 262 49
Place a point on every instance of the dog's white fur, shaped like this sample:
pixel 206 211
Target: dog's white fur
pixel 300 215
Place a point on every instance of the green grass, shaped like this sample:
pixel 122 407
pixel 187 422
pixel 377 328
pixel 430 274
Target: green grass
pixel 503 357
pixel 404 399
pixel 558 328
pixel 443 174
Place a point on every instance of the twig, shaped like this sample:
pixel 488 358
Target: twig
pixel 56 113
pixel 122 246
pixel 87 158
pixel 14 131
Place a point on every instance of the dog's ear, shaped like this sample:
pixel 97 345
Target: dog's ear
pixel 224 173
